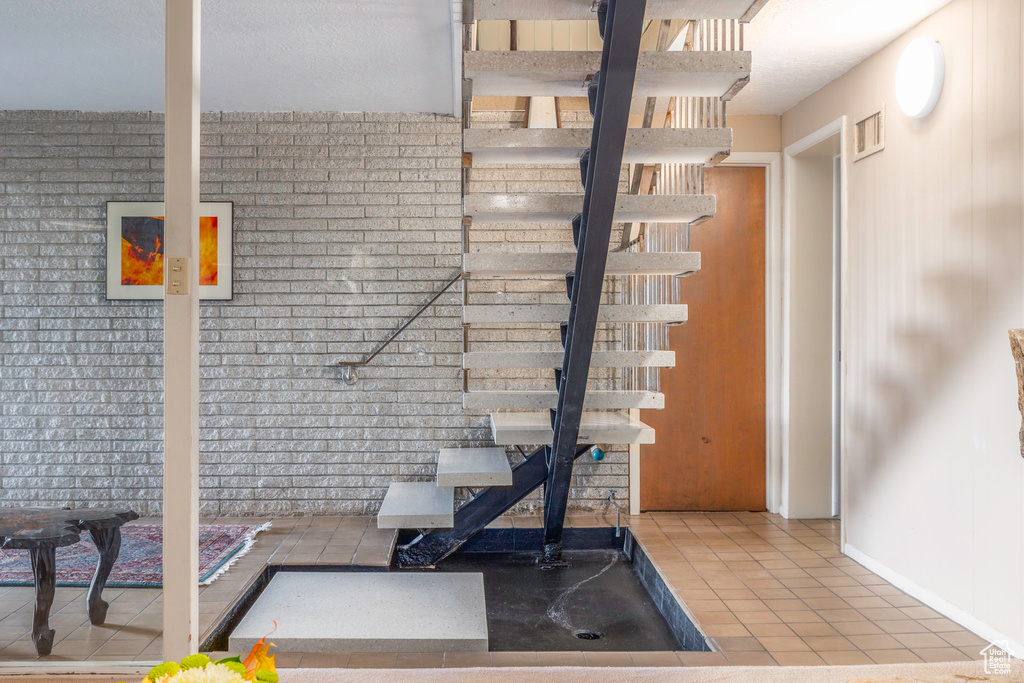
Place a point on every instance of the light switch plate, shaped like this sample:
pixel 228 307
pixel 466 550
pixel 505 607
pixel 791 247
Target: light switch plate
pixel 177 277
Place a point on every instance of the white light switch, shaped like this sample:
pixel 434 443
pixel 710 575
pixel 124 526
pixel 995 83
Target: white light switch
pixel 177 277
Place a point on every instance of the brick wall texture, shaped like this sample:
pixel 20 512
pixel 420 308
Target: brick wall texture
pixel 344 224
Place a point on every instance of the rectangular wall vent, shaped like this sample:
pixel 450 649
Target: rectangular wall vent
pixel 869 135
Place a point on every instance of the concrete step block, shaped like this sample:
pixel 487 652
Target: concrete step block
pixel 560 208
pixel 520 429
pixel 473 467
pixel 480 265
pixel 417 505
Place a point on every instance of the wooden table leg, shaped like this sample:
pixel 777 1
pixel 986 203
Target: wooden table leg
pixel 108 543
pixel 44 570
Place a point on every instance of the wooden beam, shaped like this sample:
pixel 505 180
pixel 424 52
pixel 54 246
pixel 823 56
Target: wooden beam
pixel 181 332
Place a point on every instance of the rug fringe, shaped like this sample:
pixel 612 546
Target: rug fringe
pixel 248 542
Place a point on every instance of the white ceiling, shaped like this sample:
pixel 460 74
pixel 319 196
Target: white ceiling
pixel 799 46
pixel 257 55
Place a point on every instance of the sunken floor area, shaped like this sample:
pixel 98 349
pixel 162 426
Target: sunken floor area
pixel 765 590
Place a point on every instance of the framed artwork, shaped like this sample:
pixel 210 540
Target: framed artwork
pixel 135 250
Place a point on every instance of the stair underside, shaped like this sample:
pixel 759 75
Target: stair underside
pixel 567 73
pixel 417 505
pixel 473 467
pixel 483 314
pixel 566 145
pixel 541 400
pixel 516 429
pixel 553 359
pixel 559 208
pixel 584 9
pixel 498 264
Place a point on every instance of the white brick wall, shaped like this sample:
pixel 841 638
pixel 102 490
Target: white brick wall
pixel 344 224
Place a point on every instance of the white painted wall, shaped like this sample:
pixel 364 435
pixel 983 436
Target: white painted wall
pixel 258 55
pixel 934 477
pixel 807 463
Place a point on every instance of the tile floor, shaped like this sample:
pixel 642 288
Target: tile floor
pixel 766 590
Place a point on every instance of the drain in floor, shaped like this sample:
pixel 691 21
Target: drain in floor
pixel 588 635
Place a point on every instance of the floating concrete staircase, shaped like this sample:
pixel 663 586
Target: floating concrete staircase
pixel 528 417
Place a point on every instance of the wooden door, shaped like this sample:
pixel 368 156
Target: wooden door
pixel 709 450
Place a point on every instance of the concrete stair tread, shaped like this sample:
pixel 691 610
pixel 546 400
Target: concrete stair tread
pixel 567 73
pixel 417 505
pixel 474 467
pixel 503 264
pixel 553 359
pixel 540 400
pixel 565 10
pixel 516 429
pixel 560 208
pixel 482 314
pixel 566 145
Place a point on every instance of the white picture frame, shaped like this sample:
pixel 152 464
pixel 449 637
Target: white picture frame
pixel 135 251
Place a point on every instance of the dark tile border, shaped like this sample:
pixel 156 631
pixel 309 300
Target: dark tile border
pixel 688 634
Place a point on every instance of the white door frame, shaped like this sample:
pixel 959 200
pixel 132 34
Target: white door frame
pixel 775 263
pixel 838 126
pixel 772 163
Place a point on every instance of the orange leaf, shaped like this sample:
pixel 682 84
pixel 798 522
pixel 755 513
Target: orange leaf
pixel 260 658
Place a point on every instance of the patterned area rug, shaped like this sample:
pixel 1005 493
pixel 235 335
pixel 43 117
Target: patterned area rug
pixel 140 564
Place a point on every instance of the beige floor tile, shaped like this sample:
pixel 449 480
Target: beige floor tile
pixel 703 659
pixel 419 660
pixel 845 658
pixel 797 658
pixel 561 659
pixel 608 659
pixel 775 630
pixel 964 639
pixel 784 644
pixel 323 660
pixel 892 656
pixel 739 644
pixel 514 659
pixel 466 659
pixel 655 659
pixel 940 654
pixel 878 641
pixel 750 659
pixel 372 660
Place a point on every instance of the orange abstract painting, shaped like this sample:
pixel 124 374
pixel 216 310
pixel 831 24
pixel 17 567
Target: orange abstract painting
pixel 142 250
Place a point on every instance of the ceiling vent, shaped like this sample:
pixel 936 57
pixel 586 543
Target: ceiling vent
pixel 869 135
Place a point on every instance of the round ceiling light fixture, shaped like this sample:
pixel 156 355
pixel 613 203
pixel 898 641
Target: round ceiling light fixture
pixel 919 77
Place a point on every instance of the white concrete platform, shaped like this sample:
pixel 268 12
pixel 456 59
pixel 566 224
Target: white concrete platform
pixel 473 467
pixel 567 73
pixel 539 400
pixel 566 145
pixel 483 314
pixel 520 429
pixel 480 265
pixel 553 359
pixel 417 505
pixel 368 612
pixel 560 208
pixel 584 9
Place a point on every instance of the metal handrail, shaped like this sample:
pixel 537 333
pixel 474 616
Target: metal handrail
pixel 349 367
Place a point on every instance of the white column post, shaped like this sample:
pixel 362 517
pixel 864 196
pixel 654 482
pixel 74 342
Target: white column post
pixel 181 332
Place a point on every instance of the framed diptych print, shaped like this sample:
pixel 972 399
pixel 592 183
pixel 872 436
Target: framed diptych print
pixel 135 250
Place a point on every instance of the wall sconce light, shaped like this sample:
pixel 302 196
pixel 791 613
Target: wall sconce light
pixel 919 77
